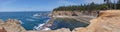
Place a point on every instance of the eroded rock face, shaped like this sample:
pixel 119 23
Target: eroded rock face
pixel 12 25
pixel 108 21
pixel 66 13
pixel 2 29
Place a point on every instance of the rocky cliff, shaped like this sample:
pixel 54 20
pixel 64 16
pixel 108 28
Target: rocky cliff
pixel 108 21
pixel 65 13
pixel 11 25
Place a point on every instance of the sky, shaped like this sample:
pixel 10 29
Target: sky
pixel 40 5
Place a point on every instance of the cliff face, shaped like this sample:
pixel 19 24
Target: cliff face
pixel 65 13
pixel 73 13
pixel 108 21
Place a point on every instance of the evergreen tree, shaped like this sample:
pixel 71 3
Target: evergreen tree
pixel 118 2
pixel 108 2
pixel 89 7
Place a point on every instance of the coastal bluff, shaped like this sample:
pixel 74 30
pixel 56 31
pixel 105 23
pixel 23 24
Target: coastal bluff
pixel 107 21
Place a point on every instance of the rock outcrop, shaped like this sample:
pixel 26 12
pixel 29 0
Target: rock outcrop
pixel 65 13
pixel 58 30
pixel 2 29
pixel 11 25
pixel 108 21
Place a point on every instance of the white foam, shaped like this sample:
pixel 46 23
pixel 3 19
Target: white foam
pixel 21 22
pixel 36 15
pixel 47 29
pixel 40 26
pixel 47 20
pixel 30 20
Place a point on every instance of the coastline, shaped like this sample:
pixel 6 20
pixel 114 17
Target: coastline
pixel 81 18
pixel 101 23
pixel 12 25
pixel 46 26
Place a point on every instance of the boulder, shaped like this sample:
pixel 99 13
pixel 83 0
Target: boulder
pixel 2 29
pixel 12 25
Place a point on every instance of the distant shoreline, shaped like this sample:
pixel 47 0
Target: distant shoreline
pixel 25 11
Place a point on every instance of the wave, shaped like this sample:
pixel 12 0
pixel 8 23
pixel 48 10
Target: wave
pixel 30 20
pixel 21 22
pixel 37 15
pixel 39 26
pixel 42 26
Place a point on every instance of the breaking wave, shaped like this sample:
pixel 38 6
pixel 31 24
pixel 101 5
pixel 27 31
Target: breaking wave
pixel 41 26
pixel 21 22
pixel 30 20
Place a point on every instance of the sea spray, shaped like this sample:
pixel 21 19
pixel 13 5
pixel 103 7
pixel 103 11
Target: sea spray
pixel 30 20
pixel 42 26
pixel 21 22
pixel 39 26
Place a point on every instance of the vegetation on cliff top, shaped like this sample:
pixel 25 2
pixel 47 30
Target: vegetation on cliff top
pixel 90 7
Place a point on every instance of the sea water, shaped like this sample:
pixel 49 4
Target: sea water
pixel 67 23
pixel 35 20
pixel 29 20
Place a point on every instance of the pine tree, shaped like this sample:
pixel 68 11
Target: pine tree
pixel 118 2
pixel 108 2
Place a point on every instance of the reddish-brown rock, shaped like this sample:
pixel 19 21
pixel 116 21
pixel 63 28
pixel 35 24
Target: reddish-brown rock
pixel 2 29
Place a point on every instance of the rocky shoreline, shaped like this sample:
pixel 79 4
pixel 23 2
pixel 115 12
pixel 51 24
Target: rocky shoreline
pixel 108 21
pixel 12 25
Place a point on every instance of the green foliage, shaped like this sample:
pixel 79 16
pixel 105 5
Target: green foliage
pixel 118 4
pixel 89 7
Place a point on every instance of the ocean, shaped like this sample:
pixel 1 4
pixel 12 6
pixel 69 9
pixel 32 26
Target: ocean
pixel 35 20
pixel 29 20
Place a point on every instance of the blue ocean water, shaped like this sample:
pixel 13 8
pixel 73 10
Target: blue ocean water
pixel 29 20
pixel 67 23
